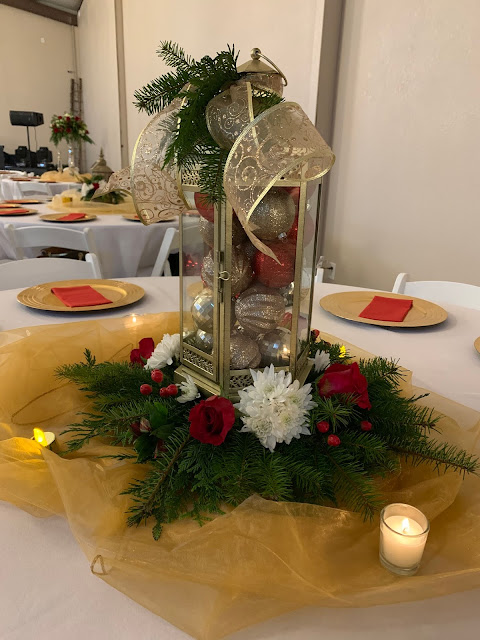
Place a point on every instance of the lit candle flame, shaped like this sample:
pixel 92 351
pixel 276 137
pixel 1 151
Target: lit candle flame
pixel 405 525
pixel 39 436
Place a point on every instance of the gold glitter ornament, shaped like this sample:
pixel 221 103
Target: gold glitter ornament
pixel 274 215
pixel 259 310
pixel 275 348
pixel 207 231
pixel 244 352
pixel 241 274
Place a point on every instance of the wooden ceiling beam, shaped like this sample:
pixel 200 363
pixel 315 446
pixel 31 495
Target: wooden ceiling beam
pixel 42 10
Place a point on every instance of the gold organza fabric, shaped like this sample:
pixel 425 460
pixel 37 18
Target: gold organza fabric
pixel 259 560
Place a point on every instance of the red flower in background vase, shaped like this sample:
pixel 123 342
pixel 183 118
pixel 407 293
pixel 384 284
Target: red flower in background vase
pixel 211 420
pixel 146 347
pixel 95 185
pixel 345 378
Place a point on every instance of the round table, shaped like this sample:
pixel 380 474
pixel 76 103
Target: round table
pixel 11 191
pixel 50 592
pixel 124 246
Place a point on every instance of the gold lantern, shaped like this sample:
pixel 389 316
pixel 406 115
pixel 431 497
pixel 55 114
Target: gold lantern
pixel 247 265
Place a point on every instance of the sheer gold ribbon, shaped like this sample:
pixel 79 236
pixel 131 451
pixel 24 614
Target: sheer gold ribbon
pixel 280 142
pixel 259 560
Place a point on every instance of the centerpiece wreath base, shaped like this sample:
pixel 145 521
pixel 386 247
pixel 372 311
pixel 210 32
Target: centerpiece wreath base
pixel 257 561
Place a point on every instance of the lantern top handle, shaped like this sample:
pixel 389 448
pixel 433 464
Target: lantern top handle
pixel 255 65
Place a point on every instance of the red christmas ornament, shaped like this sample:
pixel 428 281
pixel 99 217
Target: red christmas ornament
pixel 323 427
pixel 314 333
pixel 146 389
pixel 204 208
pixel 172 390
pixel 365 425
pixel 271 273
pixel 164 392
pixel 292 234
pixel 157 376
pixel 333 440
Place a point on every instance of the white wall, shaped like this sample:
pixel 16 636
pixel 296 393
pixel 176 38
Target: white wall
pixel 97 63
pixel 404 192
pixel 287 32
pixel 34 75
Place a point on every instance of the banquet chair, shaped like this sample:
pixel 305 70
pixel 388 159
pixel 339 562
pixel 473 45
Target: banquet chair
pixel 33 271
pixel 170 244
pixel 459 293
pixel 28 237
pixel 28 189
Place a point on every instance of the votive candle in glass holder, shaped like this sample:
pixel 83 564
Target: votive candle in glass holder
pixel 403 534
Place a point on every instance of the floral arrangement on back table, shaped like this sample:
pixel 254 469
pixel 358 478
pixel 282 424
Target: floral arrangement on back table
pixel 69 128
pixel 91 185
pixel 326 442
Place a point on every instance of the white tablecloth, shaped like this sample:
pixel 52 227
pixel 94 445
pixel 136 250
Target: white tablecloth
pixel 123 245
pixel 48 593
pixel 10 189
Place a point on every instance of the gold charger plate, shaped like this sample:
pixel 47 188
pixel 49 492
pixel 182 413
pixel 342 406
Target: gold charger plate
pixel 349 304
pixel 120 293
pixel 27 212
pixel 131 216
pixel 25 201
pixel 476 344
pixel 55 217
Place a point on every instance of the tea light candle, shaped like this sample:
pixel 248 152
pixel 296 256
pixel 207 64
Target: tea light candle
pixel 403 534
pixel 45 438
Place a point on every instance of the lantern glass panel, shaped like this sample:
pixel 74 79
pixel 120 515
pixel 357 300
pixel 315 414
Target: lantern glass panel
pixel 306 278
pixel 198 293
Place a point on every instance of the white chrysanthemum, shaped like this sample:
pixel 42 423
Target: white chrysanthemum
pixel 189 390
pixel 165 352
pixel 274 408
pixel 322 361
pixel 85 189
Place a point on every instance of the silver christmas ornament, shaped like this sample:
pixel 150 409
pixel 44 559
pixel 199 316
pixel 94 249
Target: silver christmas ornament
pixel 259 310
pixel 274 214
pixel 202 310
pixel 204 341
pixel 275 348
pixel 244 352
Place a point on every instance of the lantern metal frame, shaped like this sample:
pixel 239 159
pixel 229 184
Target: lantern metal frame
pixel 211 372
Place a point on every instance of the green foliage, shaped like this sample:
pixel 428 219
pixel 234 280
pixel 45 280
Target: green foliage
pixel 186 478
pixel 196 83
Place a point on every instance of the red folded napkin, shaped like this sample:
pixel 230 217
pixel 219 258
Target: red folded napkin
pixel 387 309
pixel 8 212
pixel 81 296
pixel 72 216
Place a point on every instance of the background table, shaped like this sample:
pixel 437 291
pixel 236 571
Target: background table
pixel 124 246
pixel 50 593
pixel 11 191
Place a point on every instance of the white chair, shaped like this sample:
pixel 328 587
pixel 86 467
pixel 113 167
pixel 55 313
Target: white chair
pixel 28 237
pixel 464 295
pixel 33 271
pixel 29 189
pixel 170 244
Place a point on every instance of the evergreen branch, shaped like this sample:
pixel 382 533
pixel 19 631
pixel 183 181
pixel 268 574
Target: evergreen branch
pixel 438 454
pixel 174 56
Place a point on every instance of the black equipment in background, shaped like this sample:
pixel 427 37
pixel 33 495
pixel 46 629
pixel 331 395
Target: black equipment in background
pixel 2 157
pixel 24 157
pixel 26 119
pixel 44 157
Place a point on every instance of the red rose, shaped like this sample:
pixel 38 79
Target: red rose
pixel 60 117
pixel 211 420
pixel 69 130
pixel 77 118
pixel 67 119
pixel 345 378
pixel 56 130
pixel 86 131
pixel 95 185
pixel 145 350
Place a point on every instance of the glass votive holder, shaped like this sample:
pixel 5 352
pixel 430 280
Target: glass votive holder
pixel 403 534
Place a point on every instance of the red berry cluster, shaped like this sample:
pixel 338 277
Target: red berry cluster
pixel 323 427
pixel 165 392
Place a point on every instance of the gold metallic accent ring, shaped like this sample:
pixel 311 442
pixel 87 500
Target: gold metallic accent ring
pixel 256 54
